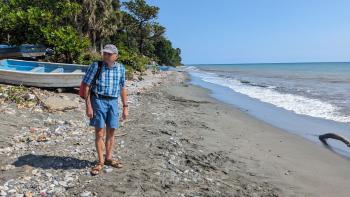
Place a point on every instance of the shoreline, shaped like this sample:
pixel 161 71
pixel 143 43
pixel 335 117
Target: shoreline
pixel 305 126
pixel 179 142
pixel 316 162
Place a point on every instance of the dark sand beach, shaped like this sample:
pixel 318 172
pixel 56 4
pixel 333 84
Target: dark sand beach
pixel 178 142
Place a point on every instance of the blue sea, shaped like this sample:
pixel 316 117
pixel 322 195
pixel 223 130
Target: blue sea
pixel 306 99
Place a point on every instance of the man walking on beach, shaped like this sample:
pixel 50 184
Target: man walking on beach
pixel 102 103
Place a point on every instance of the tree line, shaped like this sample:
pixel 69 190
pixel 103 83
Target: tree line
pixel 78 29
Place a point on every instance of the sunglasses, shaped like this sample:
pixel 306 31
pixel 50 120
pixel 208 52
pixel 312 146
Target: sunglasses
pixel 107 54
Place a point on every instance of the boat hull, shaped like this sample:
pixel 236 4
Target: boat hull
pixel 41 74
pixel 55 80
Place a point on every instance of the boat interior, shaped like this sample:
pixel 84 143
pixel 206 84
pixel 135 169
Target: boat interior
pixel 40 67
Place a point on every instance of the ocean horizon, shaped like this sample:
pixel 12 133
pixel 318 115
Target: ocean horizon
pixel 243 63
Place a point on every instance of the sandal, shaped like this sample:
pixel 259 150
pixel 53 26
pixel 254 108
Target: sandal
pixel 114 163
pixel 96 169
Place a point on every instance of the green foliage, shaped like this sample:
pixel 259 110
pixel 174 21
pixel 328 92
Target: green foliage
pixel 14 93
pixel 43 22
pixel 167 54
pixel 132 60
pixel 88 57
pixel 77 30
pixel 140 22
pixel 140 10
pixel 67 43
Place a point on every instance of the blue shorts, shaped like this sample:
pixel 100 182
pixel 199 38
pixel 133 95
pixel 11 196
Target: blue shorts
pixel 105 112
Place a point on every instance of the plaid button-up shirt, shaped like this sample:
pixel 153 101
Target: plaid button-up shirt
pixel 110 80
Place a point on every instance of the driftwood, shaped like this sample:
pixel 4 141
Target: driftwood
pixel 324 137
pixel 120 135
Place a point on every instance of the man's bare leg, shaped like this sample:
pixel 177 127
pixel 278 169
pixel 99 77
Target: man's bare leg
pixel 99 142
pixel 109 143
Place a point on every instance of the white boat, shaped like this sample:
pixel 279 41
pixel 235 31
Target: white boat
pixel 41 74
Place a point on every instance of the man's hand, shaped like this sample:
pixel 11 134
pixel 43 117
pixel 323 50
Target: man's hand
pixel 125 113
pixel 89 112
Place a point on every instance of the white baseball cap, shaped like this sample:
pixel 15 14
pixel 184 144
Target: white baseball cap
pixel 110 48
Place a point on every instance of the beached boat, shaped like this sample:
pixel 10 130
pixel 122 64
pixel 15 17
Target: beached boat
pixel 41 74
pixel 24 50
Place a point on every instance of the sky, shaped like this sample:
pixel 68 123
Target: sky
pixel 257 31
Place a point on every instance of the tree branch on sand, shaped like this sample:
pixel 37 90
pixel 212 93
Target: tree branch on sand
pixel 324 137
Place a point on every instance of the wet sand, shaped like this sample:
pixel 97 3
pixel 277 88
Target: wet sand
pixel 178 142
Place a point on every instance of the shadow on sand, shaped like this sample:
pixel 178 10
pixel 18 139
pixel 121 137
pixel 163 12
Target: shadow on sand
pixel 52 162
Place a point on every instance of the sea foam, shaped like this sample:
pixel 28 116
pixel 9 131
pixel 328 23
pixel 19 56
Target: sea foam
pixel 296 103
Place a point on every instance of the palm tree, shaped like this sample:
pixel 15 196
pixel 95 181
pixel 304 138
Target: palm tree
pixel 99 20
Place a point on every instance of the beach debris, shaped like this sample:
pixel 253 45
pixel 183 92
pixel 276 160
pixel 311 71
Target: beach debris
pixel 3 193
pixel 10 111
pixel 35 171
pixel 108 170
pixel 43 193
pixel 28 194
pixel 29 96
pixel 86 194
pixel 7 167
pixel 6 150
pixel 42 138
pixel 323 138
pixel 121 135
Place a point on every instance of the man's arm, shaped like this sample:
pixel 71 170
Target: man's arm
pixel 125 103
pixel 124 97
pixel 89 111
pixel 124 94
pixel 87 80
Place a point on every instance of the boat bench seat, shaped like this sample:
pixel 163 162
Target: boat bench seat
pixel 36 69
pixel 77 71
pixel 57 70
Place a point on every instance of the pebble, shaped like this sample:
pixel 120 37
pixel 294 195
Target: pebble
pixel 27 178
pixel 85 194
pixel 67 179
pixel 108 170
pixel 63 183
pixel 48 174
pixel 34 172
pixel 3 193
pixel 3 95
pixel 51 191
pixel 287 173
pixel 5 150
pixel 43 193
pixel 10 111
pixel 29 96
pixel 4 188
pixel 7 167
pixel 28 194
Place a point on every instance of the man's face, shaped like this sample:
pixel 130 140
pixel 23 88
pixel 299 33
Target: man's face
pixel 110 57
